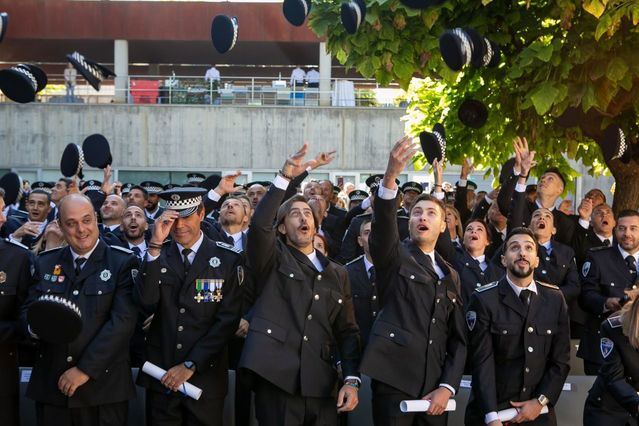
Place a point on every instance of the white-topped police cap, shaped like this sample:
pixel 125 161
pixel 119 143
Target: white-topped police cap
pixel 42 186
pixel 224 31
pixel 195 178
pixel 91 185
pixel 4 22
pixel 126 188
pixel 358 195
pixel 296 11
pixel 185 201
pixel 152 187
pixel 412 186
pixel 93 72
pixel 353 14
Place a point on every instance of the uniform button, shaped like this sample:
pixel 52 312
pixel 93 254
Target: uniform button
pixel 598 332
pixel 543 271
pixel 106 371
pixel 180 328
pixel 504 332
pixel 437 301
pixel 269 331
pixel 99 291
pixel 612 284
pixel 317 297
pixel 548 332
pixel 374 313
pixel 527 370
pixel 430 342
pixel 530 329
pixel 291 275
pixel 319 277
pixel 523 390
pixel 547 258
pixel 309 317
pixel 434 320
pixel 340 301
pixel 76 292
pixel 530 349
pixel 439 283
pixel 69 358
pixel 305 339
pixel 392 335
pixel 412 277
pixel 481 273
pixel 179 346
pixel 454 300
pixel 182 310
pixel 2 293
pixel 48 290
pixel 374 297
pixel 163 270
pixel 478 285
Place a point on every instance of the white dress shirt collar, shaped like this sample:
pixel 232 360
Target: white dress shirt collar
pixel 315 260
pixel 194 248
pixel 87 255
pixel 532 287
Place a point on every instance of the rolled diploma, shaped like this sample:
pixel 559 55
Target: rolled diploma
pixel 510 413
pixel 421 405
pixel 157 373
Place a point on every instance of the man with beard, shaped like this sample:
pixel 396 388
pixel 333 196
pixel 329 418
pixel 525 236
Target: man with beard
pixel 16 271
pixel 597 225
pixel 111 211
pixel 609 273
pixel 133 229
pixel 28 232
pixel 255 193
pixel 232 221
pixel 153 209
pixel 417 345
pixel 519 340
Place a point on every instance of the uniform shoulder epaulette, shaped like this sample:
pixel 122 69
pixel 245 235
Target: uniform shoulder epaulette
pixel 487 286
pixel 51 250
pixel 600 248
pixel 615 322
pixel 554 287
pixel 16 243
pixel 122 249
pixel 354 260
pixel 222 244
pixel 365 215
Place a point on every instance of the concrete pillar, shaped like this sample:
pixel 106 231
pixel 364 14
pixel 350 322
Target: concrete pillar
pixel 325 62
pixel 121 68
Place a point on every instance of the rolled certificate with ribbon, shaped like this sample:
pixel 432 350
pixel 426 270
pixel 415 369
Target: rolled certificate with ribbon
pixel 510 413
pixel 421 405
pixel 157 373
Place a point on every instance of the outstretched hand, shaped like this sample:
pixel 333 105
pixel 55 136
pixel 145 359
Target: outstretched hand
pixel 398 158
pixel 524 157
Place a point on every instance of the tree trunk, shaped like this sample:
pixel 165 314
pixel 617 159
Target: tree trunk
pixel 626 185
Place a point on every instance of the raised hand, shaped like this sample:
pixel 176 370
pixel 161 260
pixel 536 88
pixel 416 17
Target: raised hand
pixel 107 186
pixel 322 159
pixel 398 158
pixel 466 169
pixel 294 165
pixel 227 184
pixel 524 158
pixel 585 209
pixel 163 226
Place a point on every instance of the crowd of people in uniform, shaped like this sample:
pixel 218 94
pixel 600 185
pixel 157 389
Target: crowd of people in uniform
pixel 301 297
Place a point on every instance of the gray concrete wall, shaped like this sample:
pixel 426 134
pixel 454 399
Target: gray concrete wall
pixel 198 137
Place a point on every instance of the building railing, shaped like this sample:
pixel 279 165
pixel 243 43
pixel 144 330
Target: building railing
pixel 240 90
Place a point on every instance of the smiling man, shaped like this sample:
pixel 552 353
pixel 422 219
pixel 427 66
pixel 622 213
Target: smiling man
pixel 519 340
pixel 87 382
pixel 28 232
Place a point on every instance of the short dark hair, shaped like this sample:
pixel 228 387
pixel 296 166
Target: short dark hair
pixel 598 191
pixel 489 234
pixel 627 213
pixel 428 197
pixel 286 207
pixel 40 191
pixel 144 191
pixel 66 181
pixel 365 222
pixel 556 171
pixel 520 230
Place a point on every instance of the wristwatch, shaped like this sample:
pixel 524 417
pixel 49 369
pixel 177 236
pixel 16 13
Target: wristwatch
pixel 190 365
pixel 543 400
pixel 352 383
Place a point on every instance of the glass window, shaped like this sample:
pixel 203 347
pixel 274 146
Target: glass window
pixel 269 176
pixel 135 177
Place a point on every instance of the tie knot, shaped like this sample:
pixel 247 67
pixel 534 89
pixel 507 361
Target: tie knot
pixel 371 273
pixel 524 296
pixel 80 261
pixel 606 242
pixel 631 262
pixel 186 252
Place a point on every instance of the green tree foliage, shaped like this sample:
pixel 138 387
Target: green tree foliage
pixel 556 54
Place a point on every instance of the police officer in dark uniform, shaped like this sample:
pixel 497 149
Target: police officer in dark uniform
pixel 303 315
pixel 596 231
pixel 153 209
pixel 361 273
pixel 410 191
pixel 28 231
pixel 16 270
pixel 613 399
pixel 192 285
pixel 88 381
pixel 608 273
pixel 417 346
pixel 519 340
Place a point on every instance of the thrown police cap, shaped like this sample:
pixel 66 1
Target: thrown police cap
pixel 336 189
pixel 152 187
pixel 54 319
pixel 93 72
pixel 353 13
pixel 224 33
pixel 91 185
pixel 42 186
pixel 412 186
pixel 296 11
pixel 462 46
pixel 434 143
pixel 374 181
pixel 492 55
pixel 506 169
pixel 72 161
pixel 473 113
pixel 614 144
pixel 211 182
pixel 195 178
pixel 126 188
pixel 4 22
pixel 421 4
pixel 185 201
pixel 97 152
pixel 12 186
pixel 471 185
pixel 22 82
pixel 358 195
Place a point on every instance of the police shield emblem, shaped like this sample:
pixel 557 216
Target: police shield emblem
pixel 105 275
pixel 214 262
pixel 606 345
pixel 585 268
pixel 471 319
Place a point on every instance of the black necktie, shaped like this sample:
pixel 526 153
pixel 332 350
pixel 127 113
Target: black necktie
pixel 136 250
pixel 78 265
pixel 632 265
pixel 606 242
pixel 187 264
pixel 429 266
pixel 524 296
pixel 372 277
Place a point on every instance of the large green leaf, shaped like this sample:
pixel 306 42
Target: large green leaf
pixel 543 97
pixel 617 69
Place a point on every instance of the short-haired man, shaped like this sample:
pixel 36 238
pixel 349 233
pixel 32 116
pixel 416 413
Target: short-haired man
pixel 58 192
pixel 255 193
pixel 596 230
pixel 519 336
pixel 111 212
pixel 609 274
pixel 87 382
pixel 28 232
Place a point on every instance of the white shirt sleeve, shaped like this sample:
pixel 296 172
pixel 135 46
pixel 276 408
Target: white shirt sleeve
pixel 280 182
pixel 214 196
pixel 449 387
pixel 367 203
pixel 488 199
pixel 151 258
pixel 584 223
pixel 385 193
pixel 520 187
pixel 439 195
pixel 491 417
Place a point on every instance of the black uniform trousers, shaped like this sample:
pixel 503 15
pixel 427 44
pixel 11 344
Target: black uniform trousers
pixel 386 410
pixel 170 410
pixel 275 407
pixel 100 415
pixel 597 415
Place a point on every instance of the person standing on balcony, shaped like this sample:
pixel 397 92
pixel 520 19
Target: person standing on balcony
pixel 70 74
pixel 297 77
pixel 212 75
pixel 313 78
